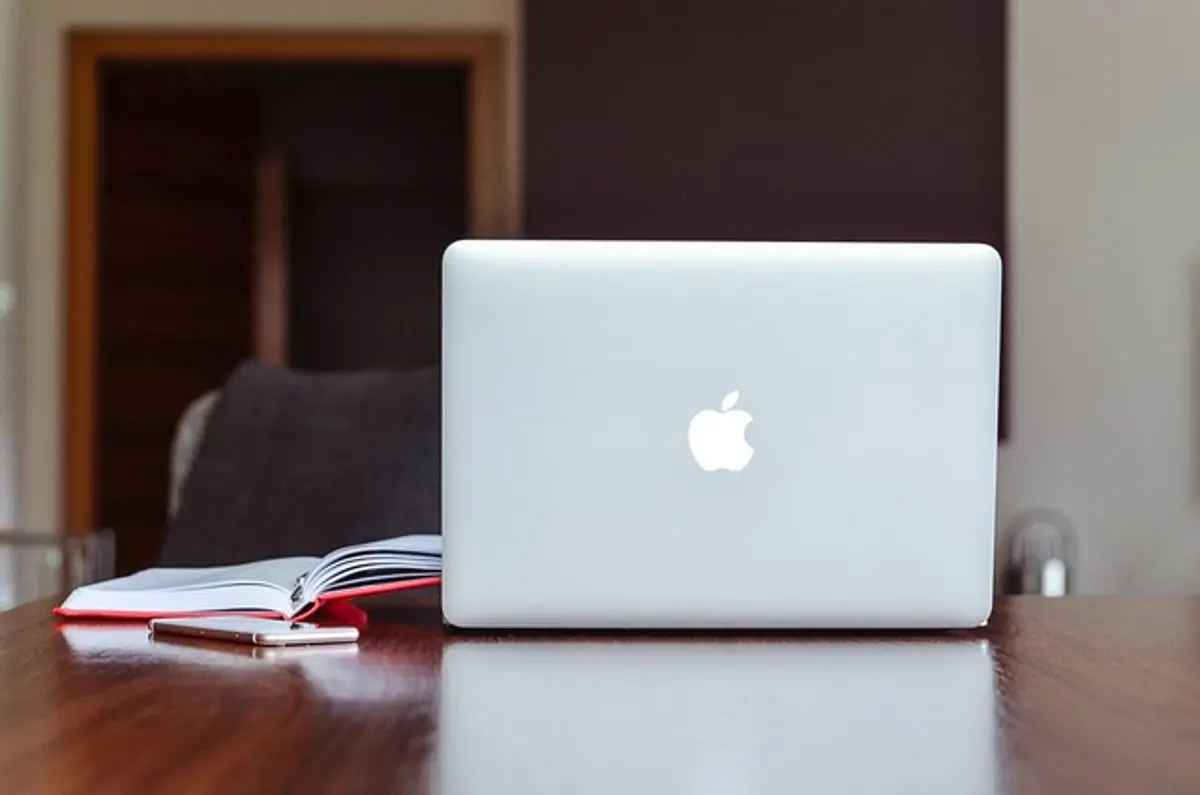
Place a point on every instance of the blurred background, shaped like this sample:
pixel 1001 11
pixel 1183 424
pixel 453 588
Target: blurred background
pixel 185 184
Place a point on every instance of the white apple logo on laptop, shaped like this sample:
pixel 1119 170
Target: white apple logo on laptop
pixel 718 438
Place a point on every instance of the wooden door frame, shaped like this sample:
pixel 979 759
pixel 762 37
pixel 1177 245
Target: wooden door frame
pixel 489 170
pixel 271 253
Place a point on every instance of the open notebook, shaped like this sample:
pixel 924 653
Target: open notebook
pixel 291 588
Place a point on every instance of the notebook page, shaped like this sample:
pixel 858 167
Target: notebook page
pixel 350 577
pixel 240 598
pixel 264 585
pixel 395 559
pixel 280 572
pixel 416 544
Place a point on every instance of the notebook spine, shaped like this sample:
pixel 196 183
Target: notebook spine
pixel 298 591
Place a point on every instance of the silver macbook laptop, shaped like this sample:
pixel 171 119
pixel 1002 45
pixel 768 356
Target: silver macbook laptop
pixel 719 435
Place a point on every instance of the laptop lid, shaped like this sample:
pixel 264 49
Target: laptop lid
pixel 685 434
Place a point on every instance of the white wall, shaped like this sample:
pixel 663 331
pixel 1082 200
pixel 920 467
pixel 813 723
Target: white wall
pixel 9 29
pixel 41 149
pixel 1105 234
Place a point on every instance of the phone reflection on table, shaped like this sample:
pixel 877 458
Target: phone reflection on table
pixel 713 717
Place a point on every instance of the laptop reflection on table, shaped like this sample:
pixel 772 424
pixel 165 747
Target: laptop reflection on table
pixel 702 717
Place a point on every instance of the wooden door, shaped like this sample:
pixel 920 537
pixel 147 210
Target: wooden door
pixel 178 153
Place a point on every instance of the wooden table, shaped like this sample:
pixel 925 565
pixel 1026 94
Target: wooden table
pixel 1079 695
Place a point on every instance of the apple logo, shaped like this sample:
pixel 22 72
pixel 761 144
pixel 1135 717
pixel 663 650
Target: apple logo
pixel 718 438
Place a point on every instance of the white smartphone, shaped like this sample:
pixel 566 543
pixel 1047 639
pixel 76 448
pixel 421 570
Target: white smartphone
pixel 255 631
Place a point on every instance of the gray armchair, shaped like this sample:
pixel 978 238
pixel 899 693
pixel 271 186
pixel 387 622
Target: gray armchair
pixel 279 463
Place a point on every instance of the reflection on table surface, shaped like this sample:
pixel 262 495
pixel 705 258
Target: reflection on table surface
pixel 688 717
pixel 522 715
pixel 338 673
pixel 1085 695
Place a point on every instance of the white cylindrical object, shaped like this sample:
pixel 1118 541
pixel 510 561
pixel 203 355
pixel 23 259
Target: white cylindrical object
pixel 8 299
pixel 1054 578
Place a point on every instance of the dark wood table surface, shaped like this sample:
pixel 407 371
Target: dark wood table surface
pixel 1087 695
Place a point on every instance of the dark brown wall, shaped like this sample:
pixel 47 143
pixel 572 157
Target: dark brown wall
pixel 787 119
pixel 766 119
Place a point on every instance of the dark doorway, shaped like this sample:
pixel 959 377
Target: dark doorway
pixel 377 191
pixel 372 184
